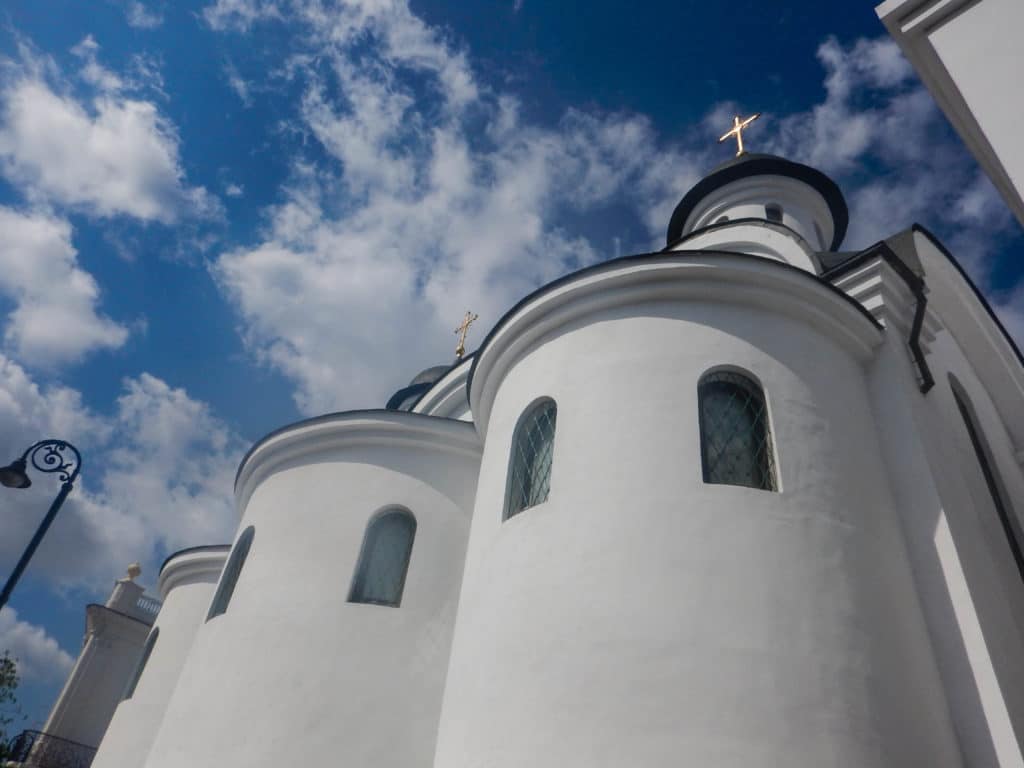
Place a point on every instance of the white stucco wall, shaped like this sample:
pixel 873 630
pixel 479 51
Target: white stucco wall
pixel 307 678
pixel 642 617
pixel 187 583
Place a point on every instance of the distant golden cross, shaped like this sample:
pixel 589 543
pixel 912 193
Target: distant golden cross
pixel 737 131
pixel 462 330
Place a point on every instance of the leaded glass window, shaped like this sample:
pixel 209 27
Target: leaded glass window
pixel 229 577
pixel 533 446
pixel 141 666
pixel 734 437
pixel 384 559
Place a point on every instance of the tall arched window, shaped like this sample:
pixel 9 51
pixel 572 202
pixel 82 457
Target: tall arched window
pixel 384 559
pixel 735 442
pixel 1011 528
pixel 229 577
pixel 533 445
pixel 141 666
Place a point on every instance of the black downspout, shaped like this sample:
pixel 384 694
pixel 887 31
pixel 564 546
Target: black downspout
pixel 916 286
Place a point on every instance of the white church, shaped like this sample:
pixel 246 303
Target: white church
pixel 750 500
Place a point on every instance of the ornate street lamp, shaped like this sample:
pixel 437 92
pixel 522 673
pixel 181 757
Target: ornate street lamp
pixel 46 456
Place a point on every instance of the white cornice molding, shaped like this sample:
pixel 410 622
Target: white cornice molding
pixel 883 293
pixel 345 431
pixel 448 394
pixel 192 566
pixel 703 276
pixel 920 16
pixel 99 620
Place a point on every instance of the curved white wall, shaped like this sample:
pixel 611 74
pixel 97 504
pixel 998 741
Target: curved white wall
pixel 641 617
pixel 187 583
pixel 307 678
pixel 804 212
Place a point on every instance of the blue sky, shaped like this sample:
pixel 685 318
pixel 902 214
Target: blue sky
pixel 218 217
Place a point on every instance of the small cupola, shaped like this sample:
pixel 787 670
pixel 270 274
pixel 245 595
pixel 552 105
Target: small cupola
pixel 763 205
pixel 405 398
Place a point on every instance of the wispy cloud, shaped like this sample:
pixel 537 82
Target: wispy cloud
pixel 238 84
pixel 141 16
pixel 37 654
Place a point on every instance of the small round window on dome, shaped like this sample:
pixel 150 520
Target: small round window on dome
pixel 773 213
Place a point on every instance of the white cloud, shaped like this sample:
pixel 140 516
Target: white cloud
pixel 234 190
pixel 92 71
pixel 37 654
pixel 238 84
pixel 239 14
pixel 55 317
pixel 141 17
pixel 157 475
pixel 115 156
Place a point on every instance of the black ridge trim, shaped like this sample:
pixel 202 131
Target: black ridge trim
pixel 977 293
pixel 331 417
pixel 656 256
pixel 186 550
pixel 763 165
pixel 916 286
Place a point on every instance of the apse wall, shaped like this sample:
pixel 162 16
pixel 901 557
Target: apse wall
pixel 303 676
pixel 187 581
pixel 643 617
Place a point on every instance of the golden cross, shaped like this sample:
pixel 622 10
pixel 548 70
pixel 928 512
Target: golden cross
pixel 737 131
pixel 462 330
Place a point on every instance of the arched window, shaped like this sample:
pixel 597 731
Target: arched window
pixel 996 490
pixel 146 651
pixel 773 212
pixel 229 577
pixel 533 445
pixel 384 559
pixel 735 442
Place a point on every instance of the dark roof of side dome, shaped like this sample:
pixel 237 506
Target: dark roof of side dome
pixel 430 375
pixel 404 398
pixel 749 164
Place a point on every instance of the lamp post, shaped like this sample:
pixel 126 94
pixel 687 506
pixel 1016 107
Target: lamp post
pixel 46 456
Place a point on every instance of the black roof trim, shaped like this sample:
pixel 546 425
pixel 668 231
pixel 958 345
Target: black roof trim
pixel 762 165
pixel 593 268
pixel 328 417
pixel 186 550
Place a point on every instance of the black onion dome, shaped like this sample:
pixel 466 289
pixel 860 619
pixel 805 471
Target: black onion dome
pixel 749 164
pixel 407 396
